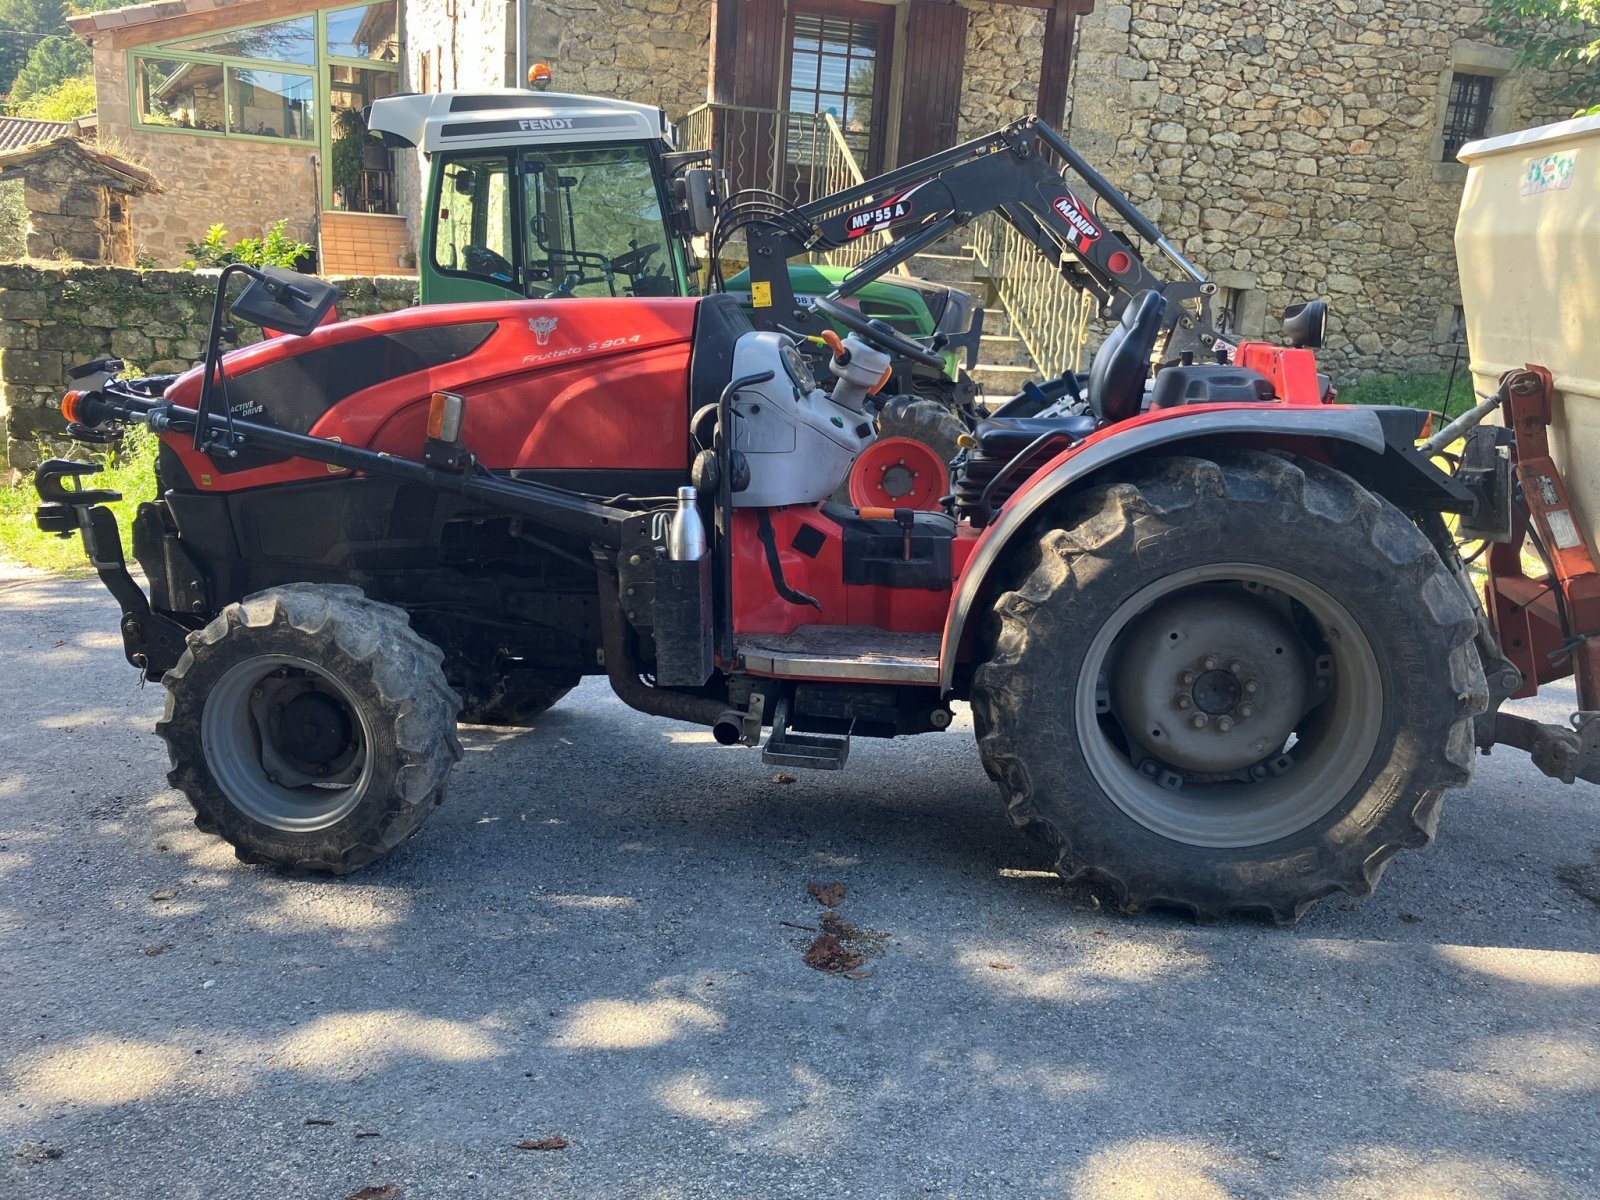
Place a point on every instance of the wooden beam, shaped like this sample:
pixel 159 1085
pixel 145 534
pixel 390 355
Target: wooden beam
pixel 724 50
pixel 1055 58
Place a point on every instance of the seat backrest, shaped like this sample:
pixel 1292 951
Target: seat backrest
pixel 1122 364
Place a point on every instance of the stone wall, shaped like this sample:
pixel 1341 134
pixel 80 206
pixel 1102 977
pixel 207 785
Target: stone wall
pixel 1000 77
pixel 1293 151
pixel 52 317
pixel 648 51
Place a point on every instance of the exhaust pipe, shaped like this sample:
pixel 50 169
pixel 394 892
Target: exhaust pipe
pixel 727 726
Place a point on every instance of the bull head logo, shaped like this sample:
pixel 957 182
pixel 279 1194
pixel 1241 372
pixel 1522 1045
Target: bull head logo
pixel 542 328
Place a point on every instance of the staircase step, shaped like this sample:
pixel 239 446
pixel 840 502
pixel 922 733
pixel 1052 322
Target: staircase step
pixel 943 268
pixel 1002 381
pixel 1002 350
pixel 996 322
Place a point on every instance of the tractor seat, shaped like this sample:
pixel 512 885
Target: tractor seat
pixel 1004 438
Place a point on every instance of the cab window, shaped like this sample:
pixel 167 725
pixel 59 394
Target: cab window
pixel 473 218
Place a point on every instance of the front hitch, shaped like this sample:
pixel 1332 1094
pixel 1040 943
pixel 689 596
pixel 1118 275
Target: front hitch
pixel 151 642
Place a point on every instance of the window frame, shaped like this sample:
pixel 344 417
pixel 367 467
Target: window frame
pixel 318 72
pixel 1483 86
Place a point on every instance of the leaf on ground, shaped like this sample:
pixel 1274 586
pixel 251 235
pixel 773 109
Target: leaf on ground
pixel 833 923
pixel 858 974
pixel 164 894
pixel 365 1133
pixel 782 778
pixel 827 953
pixel 549 1143
pixel 154 949
pixel 1000 966
pixel 380 1191
pixel 828 895
pixel 318 1121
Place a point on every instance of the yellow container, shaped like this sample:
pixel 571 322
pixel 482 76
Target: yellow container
pixel 1528 244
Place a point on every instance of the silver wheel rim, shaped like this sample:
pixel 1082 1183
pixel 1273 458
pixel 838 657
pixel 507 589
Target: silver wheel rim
pixel 1288 789
pixel 249 763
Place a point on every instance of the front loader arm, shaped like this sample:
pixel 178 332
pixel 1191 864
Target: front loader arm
pixel 1012 172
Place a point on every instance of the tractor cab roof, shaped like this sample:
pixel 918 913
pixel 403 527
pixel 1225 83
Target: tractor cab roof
pixel 512 116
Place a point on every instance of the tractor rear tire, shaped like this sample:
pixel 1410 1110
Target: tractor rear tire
pixel 1306 620
pixel 310 727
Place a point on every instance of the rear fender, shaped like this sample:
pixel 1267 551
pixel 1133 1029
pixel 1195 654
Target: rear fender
pixel 1375 446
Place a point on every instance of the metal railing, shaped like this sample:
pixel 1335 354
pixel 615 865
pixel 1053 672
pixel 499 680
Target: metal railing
pixel 1049 315
pixel 801 156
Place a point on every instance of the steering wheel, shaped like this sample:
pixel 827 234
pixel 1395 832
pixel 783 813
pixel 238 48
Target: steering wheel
pixel 481 260
pixel 880 333
pixel 633 262
pixel 1122 364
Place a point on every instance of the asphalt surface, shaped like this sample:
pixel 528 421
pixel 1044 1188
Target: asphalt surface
pixel 589 942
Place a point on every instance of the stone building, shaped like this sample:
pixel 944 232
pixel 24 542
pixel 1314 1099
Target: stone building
pixel 79 200
pixel 248 111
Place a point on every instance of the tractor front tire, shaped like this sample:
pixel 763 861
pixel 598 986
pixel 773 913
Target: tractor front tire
pixel 1232 684
pixel 932 422
pixel 310 727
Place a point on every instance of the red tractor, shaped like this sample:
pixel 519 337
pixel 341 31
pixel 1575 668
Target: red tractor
pixel 1218 644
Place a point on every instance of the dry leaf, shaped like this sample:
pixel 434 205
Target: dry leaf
pixel 858 974
pixel 833 923
pixel 381 1191
pixel 1002 966
pixel 829 895
pixel 549 1143
pixel 318 1121
pixel 164 894
pixel 827 953
pixel 155 949
pixel 782 778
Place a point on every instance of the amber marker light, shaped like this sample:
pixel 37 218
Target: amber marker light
pixel 444 417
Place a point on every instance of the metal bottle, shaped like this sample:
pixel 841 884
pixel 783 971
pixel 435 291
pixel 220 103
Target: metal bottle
pixel 686 540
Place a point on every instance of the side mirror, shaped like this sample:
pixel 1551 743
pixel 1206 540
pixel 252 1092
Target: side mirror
pixel 1306 325
pixel 283 300
pixel 700 194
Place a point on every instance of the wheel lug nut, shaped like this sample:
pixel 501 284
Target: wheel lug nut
pixel 1251 687
pixel 1198 720
pixel 1184 702
pixel 1187 678
pixel 1247 710
pixel 1209 662
pixel 1224 724
pixel 1148 767
pixel 1236 667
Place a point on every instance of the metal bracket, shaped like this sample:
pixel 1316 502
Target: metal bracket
pixel 1564 754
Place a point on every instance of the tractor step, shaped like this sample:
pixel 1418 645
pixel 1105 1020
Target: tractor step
pixel 842 652
pixel 803 751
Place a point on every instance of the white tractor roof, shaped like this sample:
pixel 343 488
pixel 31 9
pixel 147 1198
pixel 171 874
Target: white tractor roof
pixel 512 116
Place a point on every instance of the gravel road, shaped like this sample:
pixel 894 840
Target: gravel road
pixel 599 939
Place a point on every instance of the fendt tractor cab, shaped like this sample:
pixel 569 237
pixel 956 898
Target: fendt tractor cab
pixel 1219 644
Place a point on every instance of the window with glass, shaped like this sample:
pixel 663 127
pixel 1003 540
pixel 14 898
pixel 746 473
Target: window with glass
pixel 570 221
pixel 473 230
pixel 305 78
pixel 1466 116
pixel 835 58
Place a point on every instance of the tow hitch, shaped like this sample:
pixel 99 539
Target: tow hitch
pixel 152 643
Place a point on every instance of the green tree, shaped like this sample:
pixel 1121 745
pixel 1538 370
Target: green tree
pixel 68 100
pixel 1562 34
pixel 52 63
pixel 27 24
